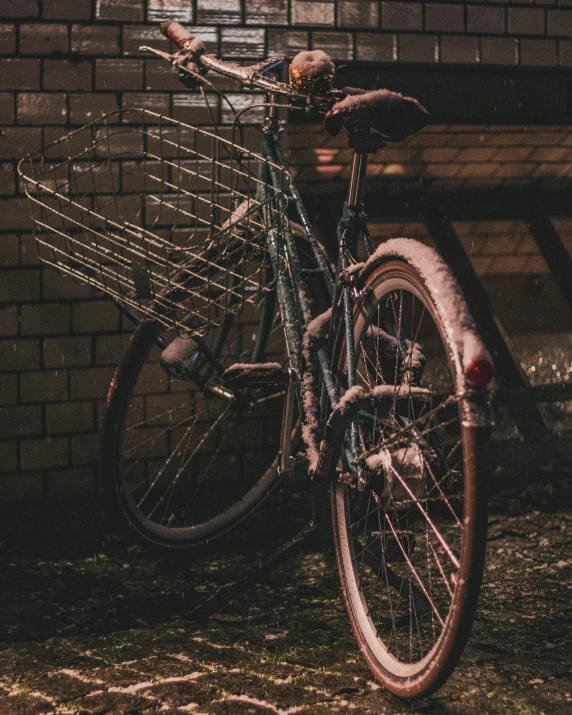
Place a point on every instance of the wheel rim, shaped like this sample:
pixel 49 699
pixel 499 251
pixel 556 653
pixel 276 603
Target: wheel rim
pixel 403 563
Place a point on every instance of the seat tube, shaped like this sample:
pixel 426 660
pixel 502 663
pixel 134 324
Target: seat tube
pixel 357 179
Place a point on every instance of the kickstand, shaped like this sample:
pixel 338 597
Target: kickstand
pixel 212 602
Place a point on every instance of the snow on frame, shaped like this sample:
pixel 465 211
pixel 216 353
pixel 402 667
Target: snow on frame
pixel 315 331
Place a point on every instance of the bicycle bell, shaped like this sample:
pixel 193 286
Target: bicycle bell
pixel 312 72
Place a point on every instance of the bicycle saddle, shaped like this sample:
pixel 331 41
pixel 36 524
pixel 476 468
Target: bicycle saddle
pixel 391 114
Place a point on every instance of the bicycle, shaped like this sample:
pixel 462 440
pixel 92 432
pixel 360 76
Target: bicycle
pixel 248 346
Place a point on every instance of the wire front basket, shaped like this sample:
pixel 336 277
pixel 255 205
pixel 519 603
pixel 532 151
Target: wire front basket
pixel 177 224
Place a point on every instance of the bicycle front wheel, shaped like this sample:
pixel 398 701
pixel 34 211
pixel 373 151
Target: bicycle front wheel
pixel 186 456
pixel 410 538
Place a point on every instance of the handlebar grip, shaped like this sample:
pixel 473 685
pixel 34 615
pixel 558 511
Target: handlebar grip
pixel 175 32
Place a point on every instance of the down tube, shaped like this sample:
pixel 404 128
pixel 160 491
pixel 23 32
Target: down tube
pixel 289 309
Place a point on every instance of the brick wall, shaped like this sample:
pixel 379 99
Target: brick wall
pixel 65 62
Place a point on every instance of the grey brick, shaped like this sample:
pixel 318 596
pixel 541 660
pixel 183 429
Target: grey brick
pixel 42 108
pixel 110 348
pixel 180 10
pixel 45 318
pixel 191 108
pixel 95 40
pixel 44 453
pixel 16 142
pixel 71 483
pixel 242 43
pixel 43 39
pixel 289 42
pixel 100 316
pixel 28 251
pixel 119 9
pixel 18 285
pixel 418 48
pixel 9 321
pixel 486 19
pixel 67 351
pixel 159 75
pixel 44 386
pixel 458 49
pixel 69 418
pixel 7 39
pixel 68 75
pixel 15 215
pixel 440 17
pixel 499 50
pixel 538 53
pixel 21 487
pixel 401 16
pixel 8 458
pixel 119 74
pixel 559 23
pixel 85 108
pixel 86 448
pixel 58 287
pixel 565 53
pixel 9 245
pixel 20 421
pixel 17 354
pixel 66 9
pixel 90 382
pixel 16 73
pixel 266 12
pixel 526 21
pixel 136 35
pixel 210 36
pixel 312 13
pixel 218 12
pixel 363 14
pixel 339 45
pixel 19 8
pixel 149 100
pixel 6 108
pixel 8 388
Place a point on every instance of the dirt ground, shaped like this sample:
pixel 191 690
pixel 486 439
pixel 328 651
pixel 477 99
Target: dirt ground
pixel 93 623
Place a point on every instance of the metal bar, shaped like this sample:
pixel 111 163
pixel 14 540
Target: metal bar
pixel 357 179
pixel 553 250
pixel 319 256
pixel 452 251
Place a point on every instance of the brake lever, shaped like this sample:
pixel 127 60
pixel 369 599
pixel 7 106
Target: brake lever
pixel 164 55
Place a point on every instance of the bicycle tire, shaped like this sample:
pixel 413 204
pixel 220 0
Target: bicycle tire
pixel 387 554
pixel 250 442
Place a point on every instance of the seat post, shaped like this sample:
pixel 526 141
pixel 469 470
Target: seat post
pixel 362 142
pixel 357 179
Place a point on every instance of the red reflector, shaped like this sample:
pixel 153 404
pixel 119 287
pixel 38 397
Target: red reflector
pixel 479 372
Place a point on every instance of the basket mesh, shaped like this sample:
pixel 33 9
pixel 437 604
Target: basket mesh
pixel 172 221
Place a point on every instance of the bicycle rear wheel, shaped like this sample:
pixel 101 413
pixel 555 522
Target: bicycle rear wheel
pixel 184 456
pixel 410 539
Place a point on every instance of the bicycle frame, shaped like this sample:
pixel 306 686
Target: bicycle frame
pixel 291 288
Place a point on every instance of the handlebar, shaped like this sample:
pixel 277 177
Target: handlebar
pixel 192 50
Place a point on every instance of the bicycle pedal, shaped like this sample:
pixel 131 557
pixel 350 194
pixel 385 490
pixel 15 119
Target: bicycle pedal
pixel 251 374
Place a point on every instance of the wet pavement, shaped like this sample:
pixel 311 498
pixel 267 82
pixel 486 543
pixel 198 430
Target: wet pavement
pixel 93 623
